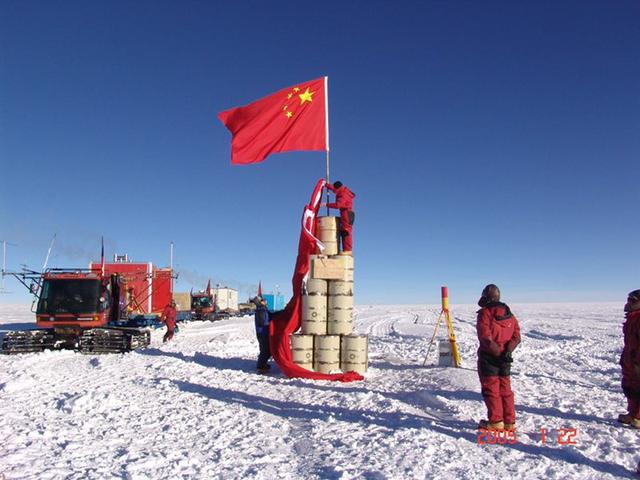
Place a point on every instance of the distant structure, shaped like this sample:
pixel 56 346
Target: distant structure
pixel 275 301
pixel 226 298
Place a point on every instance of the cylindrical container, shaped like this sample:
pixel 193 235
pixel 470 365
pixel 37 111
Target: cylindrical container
pixel 328 227
pixel 445 298
pixel 348 264
pixel 340 315
pixel 326 356
pixel 445 357
pixel 314 314
pixel 316 286
pixel 354 353
pixel 339 287
pixel 302 350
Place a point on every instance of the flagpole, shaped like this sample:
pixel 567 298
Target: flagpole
pixel 327 181
pixel 326 123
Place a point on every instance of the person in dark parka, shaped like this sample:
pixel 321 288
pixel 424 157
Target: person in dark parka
pixel 262 321
pixel 499 335
pixel 630 360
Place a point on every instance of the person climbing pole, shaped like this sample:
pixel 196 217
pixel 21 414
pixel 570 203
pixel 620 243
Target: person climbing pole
pixel 344 202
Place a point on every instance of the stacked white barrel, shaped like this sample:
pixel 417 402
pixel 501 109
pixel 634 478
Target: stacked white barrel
pixel 353 353
pixel 326 353
pixel 302 350
pixel 314 308
pixel 340 300
pixel 328 227
pixel 327 311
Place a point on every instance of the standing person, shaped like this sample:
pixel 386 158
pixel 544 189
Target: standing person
pixel 344 201
pixel 499 335
pixel 262 333
pixel 630 360
pixel 169 318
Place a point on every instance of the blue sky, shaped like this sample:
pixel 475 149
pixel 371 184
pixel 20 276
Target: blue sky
pixel 485 141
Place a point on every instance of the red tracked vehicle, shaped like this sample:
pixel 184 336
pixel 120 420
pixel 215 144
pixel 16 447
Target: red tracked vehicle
pixel 94 310
pixel 203 305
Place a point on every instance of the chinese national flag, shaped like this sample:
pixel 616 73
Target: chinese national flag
pixel 294 118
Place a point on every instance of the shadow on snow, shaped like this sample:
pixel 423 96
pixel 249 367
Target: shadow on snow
pixel 455 429
pixel 209 361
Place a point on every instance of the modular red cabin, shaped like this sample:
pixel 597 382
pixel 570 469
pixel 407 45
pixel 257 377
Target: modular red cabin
pixel 148 289
pixel 162 286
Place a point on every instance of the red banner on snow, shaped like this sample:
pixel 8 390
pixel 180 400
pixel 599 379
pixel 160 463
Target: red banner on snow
pixel 288 321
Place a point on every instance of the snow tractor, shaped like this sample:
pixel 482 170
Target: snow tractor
pixel 203 305
pixel 94 310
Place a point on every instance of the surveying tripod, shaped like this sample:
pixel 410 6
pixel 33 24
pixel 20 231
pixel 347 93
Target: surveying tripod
pixel 452 336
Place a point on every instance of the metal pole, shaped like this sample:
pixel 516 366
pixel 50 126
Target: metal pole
pixel 327 181
pixel 46 260
pixel 435 332
pixel 4 261
pixel 171 256
pixel 326 125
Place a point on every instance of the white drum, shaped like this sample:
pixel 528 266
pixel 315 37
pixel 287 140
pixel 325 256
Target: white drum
pixel 316 286
pixel 302 350
pixel 326 353
pixel 314 314
pixel 340 327
pixel 354 353
pixel 340 315
pixel 339 287
pixel 328 227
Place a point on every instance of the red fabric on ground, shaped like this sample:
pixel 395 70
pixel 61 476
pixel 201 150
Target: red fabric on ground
pixel 288 321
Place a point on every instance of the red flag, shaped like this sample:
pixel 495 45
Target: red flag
pixel 294 118
pixel 260 288
pixel 208 290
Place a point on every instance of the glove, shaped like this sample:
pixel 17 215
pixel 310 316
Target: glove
pixel 507 357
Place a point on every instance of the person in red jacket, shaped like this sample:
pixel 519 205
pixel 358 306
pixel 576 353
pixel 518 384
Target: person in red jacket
pixel 344 201
pixel 499 335
pixel 169 318
pixel 630 360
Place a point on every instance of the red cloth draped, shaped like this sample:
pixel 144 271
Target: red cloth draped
pixel 288 321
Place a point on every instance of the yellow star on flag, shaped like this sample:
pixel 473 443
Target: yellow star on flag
pixel 289 114
pixel 289 96
pixel 306 96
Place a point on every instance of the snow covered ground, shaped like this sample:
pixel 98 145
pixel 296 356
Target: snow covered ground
pixel 194 408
